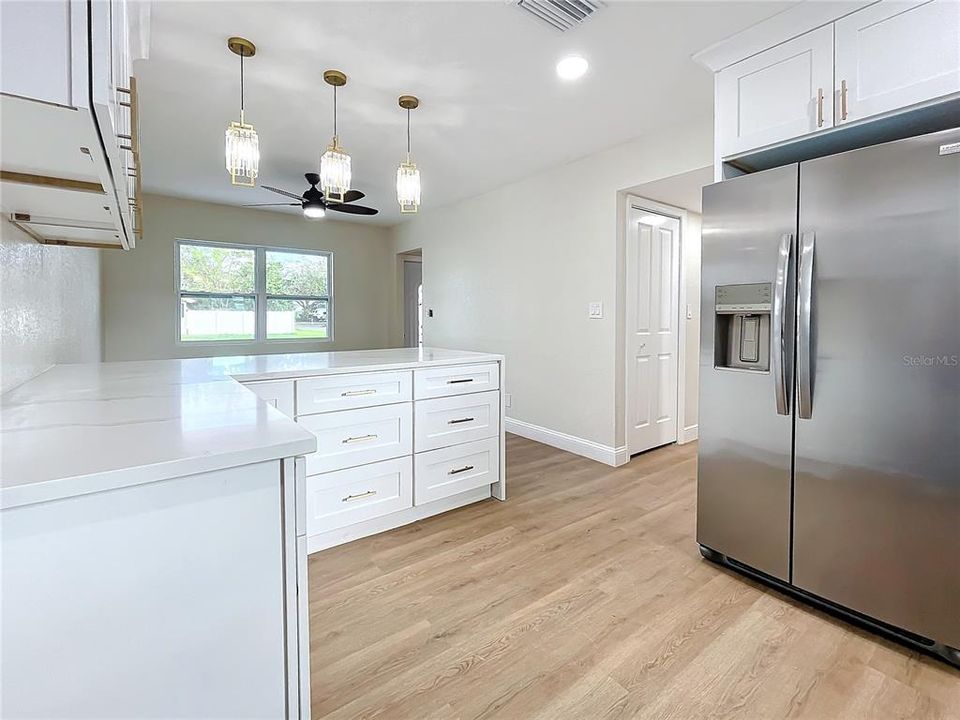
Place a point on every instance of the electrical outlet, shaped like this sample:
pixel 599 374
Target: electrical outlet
pixel 595 310
pixel 508 399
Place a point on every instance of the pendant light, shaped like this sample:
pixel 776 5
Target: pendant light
pixel 408 177
pixel 243 145
pixel 335 163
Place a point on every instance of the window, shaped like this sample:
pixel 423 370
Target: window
pixel 248 293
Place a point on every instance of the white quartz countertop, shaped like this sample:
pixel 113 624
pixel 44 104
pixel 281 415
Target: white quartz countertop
pixel 77 429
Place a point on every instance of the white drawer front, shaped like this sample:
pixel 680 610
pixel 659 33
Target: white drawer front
pixel 344 497
pixel 456 380
pixel 343 392
pixel 356 437
pixel 278 393
pixel 452 420
pixel 448 471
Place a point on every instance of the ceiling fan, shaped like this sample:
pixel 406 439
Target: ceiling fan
pixel 314 204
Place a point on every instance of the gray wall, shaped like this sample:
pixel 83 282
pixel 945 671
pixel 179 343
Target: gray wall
pixel 513 270
pixel 139 291
pixel 49 306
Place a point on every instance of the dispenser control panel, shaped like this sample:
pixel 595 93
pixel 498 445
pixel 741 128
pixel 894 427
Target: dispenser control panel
pixel 742 340
pixel 750 298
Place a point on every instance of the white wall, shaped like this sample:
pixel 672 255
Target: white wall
pixel 49 306
pixel 513 270
pixel 139 291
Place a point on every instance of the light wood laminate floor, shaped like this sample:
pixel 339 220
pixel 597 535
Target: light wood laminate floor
pixel 584 596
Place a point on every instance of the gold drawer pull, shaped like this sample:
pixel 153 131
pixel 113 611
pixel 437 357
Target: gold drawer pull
pixel 819 107
pixel 843 99
pixel 460 470
pixel 349 498
pixel 354 393
pixel 457 382
pixel 359 438
pixel 461 420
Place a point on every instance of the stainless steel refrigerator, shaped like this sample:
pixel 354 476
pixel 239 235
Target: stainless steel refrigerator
pixel 829 455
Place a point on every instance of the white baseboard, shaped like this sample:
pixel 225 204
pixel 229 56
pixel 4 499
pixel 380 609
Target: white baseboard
pixel 571 443
pixel 688 434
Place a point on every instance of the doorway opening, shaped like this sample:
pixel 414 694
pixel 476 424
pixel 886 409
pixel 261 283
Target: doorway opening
pixel 654 329
pixel 412 266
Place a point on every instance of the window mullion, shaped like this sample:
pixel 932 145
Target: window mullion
pixel 260 273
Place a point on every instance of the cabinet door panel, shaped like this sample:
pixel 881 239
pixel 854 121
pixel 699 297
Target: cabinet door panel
pixel 36 64
pixel 356 437
pixel 895 54
pixel 775 95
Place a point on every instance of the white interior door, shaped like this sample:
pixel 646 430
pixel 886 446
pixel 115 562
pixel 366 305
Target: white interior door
pixel 653 285
pixel 412 303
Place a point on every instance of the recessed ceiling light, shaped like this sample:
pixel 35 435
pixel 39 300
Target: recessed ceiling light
pixel 572 67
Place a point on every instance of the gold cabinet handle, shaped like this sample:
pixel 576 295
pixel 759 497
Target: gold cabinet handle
pixel 819 107
pixel 359 438
pixel 355 393
pixel 457 382
pixel 843 99
pixel 350 498
pixel 457 471
pixel 460 420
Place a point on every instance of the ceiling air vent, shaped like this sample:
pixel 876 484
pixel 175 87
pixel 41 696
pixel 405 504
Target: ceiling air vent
pixel 560 14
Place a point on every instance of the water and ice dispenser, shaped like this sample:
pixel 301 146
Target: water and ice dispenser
pixel 743 326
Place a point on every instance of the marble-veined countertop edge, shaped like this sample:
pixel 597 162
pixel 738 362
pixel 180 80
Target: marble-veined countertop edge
pixel 83 428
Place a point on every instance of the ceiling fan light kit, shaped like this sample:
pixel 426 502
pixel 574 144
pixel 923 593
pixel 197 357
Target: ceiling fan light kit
pixel 408 176
pixel 242 149
pixel 335 170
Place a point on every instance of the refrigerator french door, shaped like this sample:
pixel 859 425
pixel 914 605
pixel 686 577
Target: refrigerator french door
pixel 871 489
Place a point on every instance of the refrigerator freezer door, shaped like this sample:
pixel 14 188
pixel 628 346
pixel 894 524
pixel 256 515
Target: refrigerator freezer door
pixel 743 496
pixel 877 480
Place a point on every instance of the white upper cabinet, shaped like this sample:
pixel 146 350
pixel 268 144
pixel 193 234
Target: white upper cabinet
pixel 778 94
pixel 44 67
pixel 69 106
pixel 895 54
pixel 819 66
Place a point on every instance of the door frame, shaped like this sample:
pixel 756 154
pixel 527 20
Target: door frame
pixel 404 259
pixel 634 204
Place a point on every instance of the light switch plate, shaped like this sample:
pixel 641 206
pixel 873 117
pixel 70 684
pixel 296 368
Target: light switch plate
pixel 595 310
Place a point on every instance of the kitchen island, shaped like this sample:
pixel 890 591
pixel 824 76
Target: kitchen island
pixel 156 515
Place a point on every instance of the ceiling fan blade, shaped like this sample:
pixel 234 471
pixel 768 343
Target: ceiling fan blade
pixel 272 205
pixel 352 209
pixel 352 195
pixel 281 192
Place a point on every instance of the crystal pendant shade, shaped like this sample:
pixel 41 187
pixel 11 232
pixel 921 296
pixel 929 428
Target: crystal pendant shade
pixel 335 172
pixel 242 153
pixel 408 187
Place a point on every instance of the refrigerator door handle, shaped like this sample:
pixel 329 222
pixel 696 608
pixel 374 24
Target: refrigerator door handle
pixel 778 355
pixel 804 327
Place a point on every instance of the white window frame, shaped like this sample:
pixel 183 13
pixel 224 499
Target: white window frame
pixel 259 294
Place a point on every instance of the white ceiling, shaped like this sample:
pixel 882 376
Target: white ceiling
pixel 492 109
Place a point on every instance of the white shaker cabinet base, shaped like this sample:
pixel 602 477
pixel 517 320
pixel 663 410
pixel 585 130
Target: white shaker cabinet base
pixel 350 496
pixel 324 540
pixel 442 422
pixel 452 470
